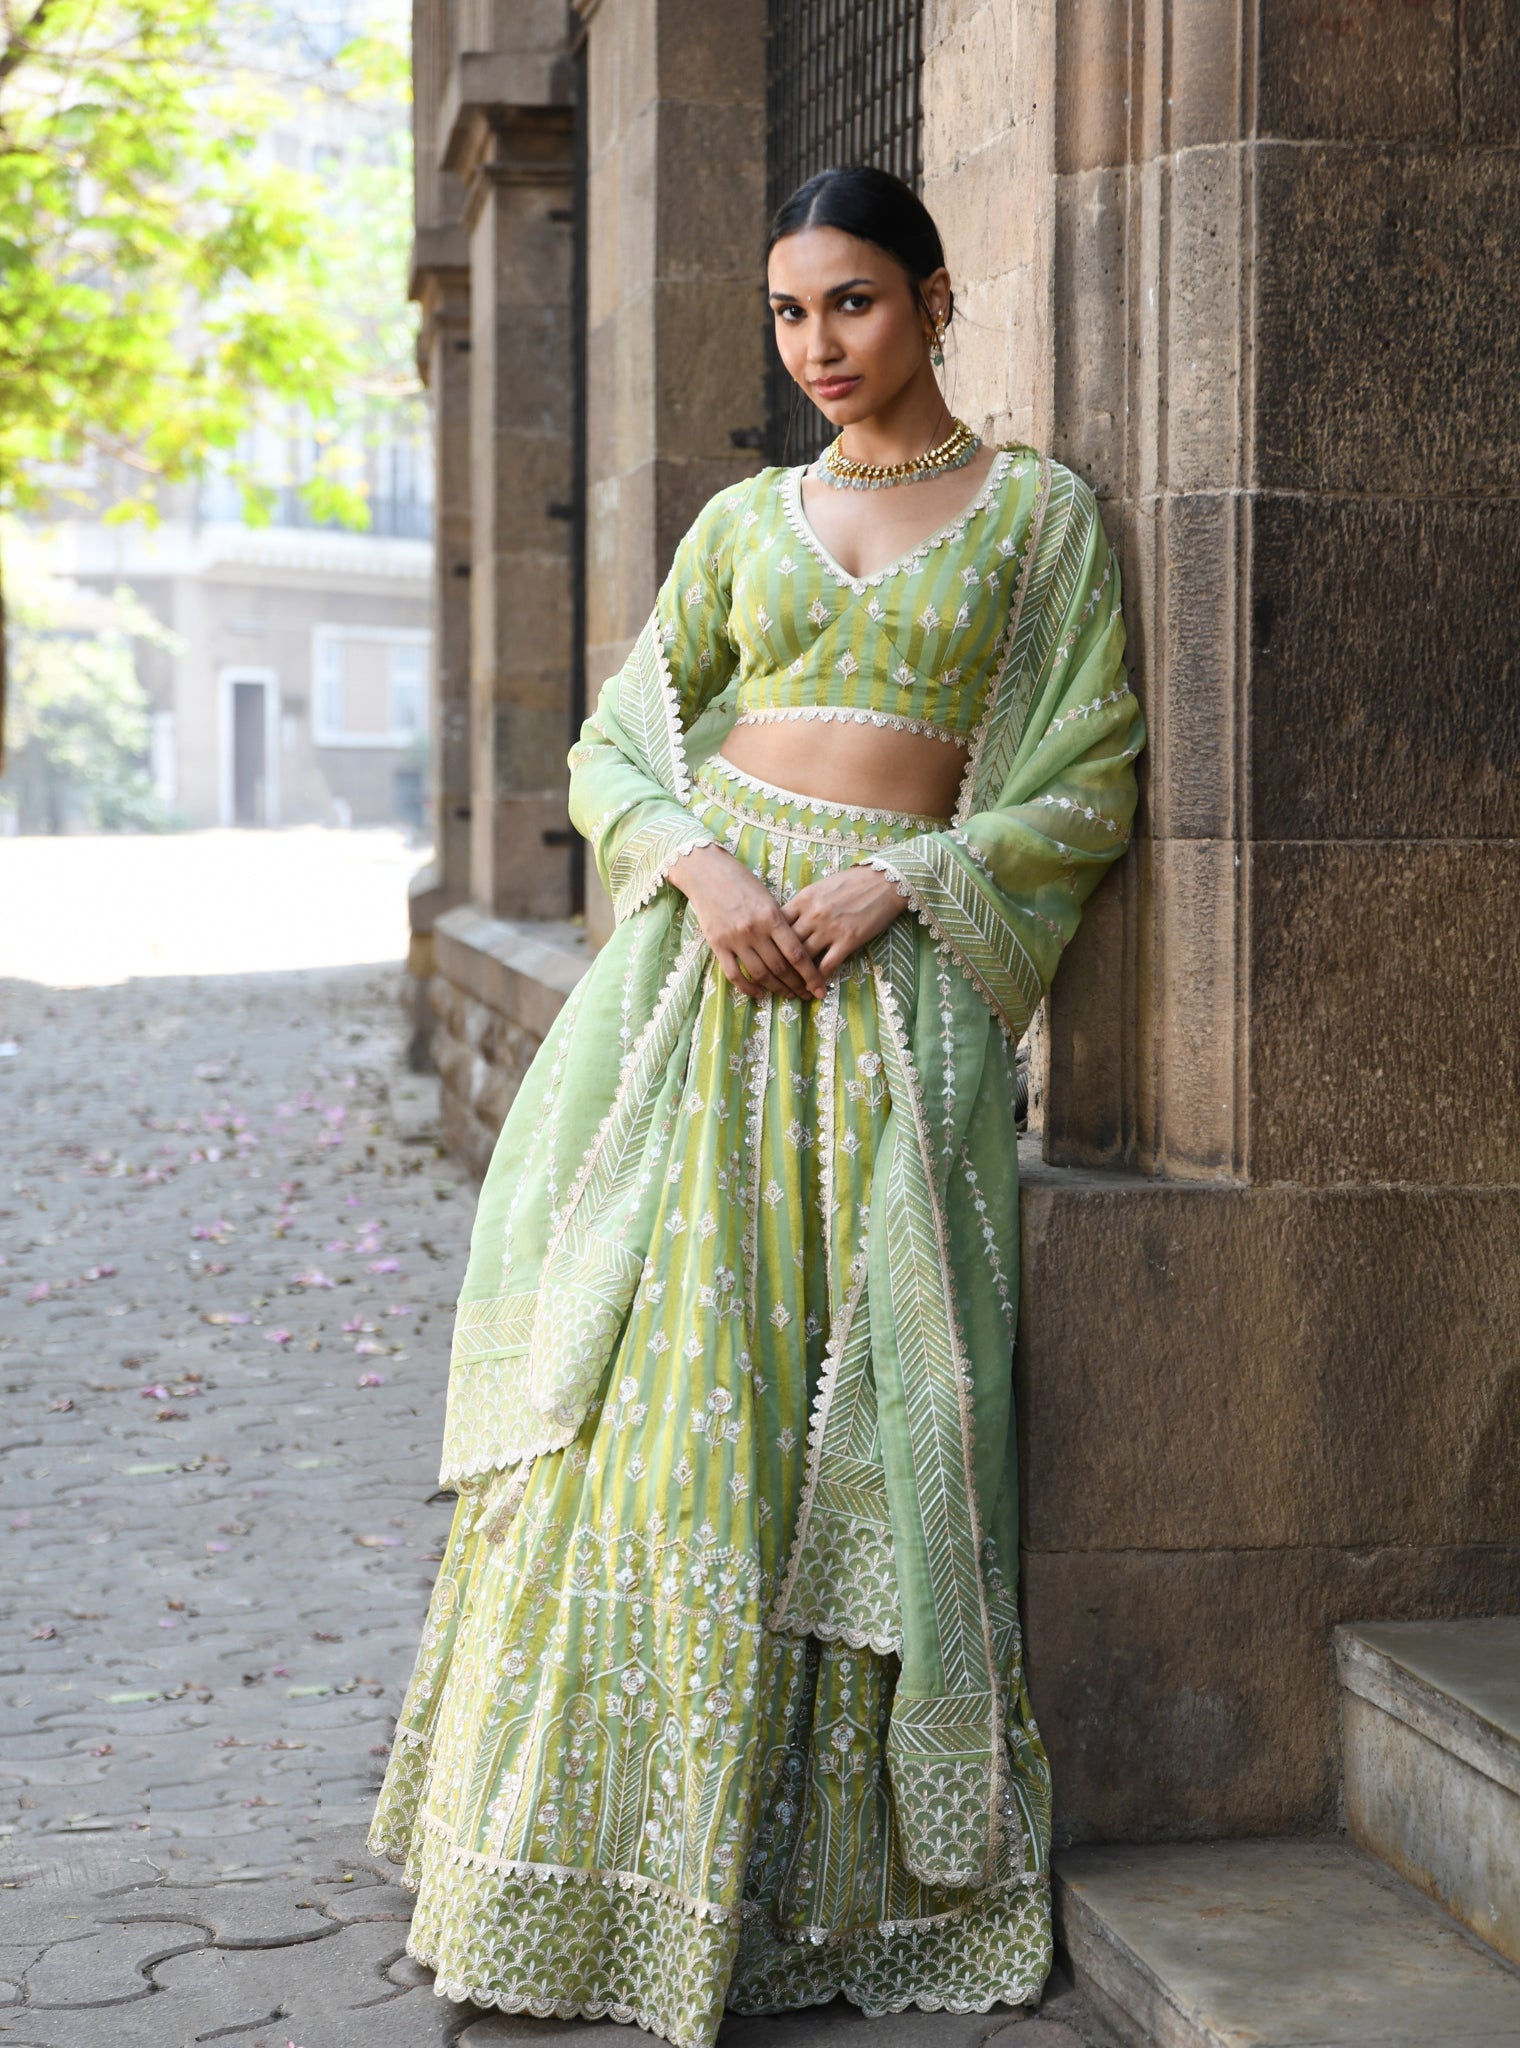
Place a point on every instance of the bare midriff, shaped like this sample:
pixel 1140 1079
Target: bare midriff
pixel 851 764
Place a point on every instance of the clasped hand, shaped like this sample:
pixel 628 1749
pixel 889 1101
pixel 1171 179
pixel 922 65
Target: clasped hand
pixel 784 949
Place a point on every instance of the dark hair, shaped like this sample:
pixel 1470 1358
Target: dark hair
pixel 873 206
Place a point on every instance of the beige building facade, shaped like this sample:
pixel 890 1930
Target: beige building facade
pixel 1244 268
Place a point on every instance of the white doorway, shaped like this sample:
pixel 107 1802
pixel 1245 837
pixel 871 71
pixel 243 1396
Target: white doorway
pixel 250 746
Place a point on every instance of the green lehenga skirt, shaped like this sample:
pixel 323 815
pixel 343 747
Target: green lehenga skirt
pixel 616 1790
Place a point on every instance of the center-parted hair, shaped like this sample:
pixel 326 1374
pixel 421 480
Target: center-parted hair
pixel 871 205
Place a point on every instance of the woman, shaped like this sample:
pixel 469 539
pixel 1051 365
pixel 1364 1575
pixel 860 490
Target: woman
pixel 720 1700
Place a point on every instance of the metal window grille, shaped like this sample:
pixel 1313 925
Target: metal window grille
pixel 842 87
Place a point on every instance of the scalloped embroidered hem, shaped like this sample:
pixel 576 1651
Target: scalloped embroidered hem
pixel 521 1944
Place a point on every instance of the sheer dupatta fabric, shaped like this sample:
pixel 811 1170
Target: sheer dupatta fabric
pixel 561 1239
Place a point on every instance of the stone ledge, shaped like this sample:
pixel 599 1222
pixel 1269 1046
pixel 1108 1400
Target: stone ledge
pixel 525 970
pixel 1276 1943
pixel 1456 1683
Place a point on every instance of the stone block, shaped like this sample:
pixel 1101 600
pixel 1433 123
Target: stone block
pixel 519 970
pixel 528 592
pixel 1489 67
pixel 1279 1944
pixel 1222 1367
pixel 970 86
pixel 1191 1021
pixel 531 735
pixel 1191 1693
pixel 524 253
pixel 1090 315
pixel 1382 1001
pixel 469 1140
pixel 1385 365
pixel 1202 287
pixel 709 339
pixel 1089 1080
pixel 710 219
pixel 1430 1737
pixel 622 61
pixel 513 493
pixel 1203 94
pixel 1092 84
pixel 1383 73
pixel 710 54
pixel 1190 570
pixel 634 406
pixel 1385 669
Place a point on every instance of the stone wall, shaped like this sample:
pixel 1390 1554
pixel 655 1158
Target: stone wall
pixel 1255 292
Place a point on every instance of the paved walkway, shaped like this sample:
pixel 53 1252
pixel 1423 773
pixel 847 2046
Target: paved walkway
pixel 224 1313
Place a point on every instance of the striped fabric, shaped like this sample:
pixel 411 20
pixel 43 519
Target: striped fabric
pixel 640 1771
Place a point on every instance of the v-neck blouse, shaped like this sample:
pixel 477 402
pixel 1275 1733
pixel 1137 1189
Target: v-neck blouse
pixel 913 646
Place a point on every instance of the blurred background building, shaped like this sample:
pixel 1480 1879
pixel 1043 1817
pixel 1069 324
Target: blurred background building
pixel 289 685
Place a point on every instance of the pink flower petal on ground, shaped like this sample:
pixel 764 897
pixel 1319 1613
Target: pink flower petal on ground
pixel 399 1308
pixel 40 1291
pixel 280 1671
pixel 385 1265
pixel 218 1546
pixel 353 1323
pixel 154 1393
pixel 370 1379
pixel 336 1244
pixel 167 1621
pixel 279 1336
pixel 100 1272
pixel 315 1278
pixel 216 1232
pixel 365 1349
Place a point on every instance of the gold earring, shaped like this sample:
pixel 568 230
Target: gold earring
pixel 937 349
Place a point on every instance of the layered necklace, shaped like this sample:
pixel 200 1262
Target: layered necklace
pixel 957 449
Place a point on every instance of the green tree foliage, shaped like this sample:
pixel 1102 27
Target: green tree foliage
pixel 162 279
pixel 79 713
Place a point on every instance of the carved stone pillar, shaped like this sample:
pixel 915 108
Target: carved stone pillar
pixel 516 162
pixel 444 351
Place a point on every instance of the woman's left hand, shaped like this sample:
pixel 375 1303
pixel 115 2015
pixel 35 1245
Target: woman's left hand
pixel 838 914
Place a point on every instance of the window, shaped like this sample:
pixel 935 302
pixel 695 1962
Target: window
pixel 842 87
pixel 369 685
pixel 408 687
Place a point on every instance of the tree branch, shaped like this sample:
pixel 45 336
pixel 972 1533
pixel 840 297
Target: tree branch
pixel 19 46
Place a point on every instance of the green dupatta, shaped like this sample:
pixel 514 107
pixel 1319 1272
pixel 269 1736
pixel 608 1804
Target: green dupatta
pixel 564 1220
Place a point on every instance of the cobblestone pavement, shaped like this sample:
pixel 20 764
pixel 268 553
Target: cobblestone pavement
pixel 224 1314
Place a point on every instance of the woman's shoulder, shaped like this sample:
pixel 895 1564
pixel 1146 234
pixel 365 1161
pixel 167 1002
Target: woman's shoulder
pixel 725 512
pixel 1065 484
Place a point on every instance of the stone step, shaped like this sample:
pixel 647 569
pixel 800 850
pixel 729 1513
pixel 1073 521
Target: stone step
pixel 1430 1737
pixel 1274 1944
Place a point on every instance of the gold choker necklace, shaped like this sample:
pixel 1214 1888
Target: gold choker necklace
pixel 957 449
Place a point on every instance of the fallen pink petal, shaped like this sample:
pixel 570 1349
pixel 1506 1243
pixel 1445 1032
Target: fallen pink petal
pixel 154 1393
pixel 279 1336
pixel 370 1379
pixel 385 1266
pixel 40 1291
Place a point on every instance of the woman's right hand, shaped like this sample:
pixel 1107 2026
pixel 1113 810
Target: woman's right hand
pixel 741 921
